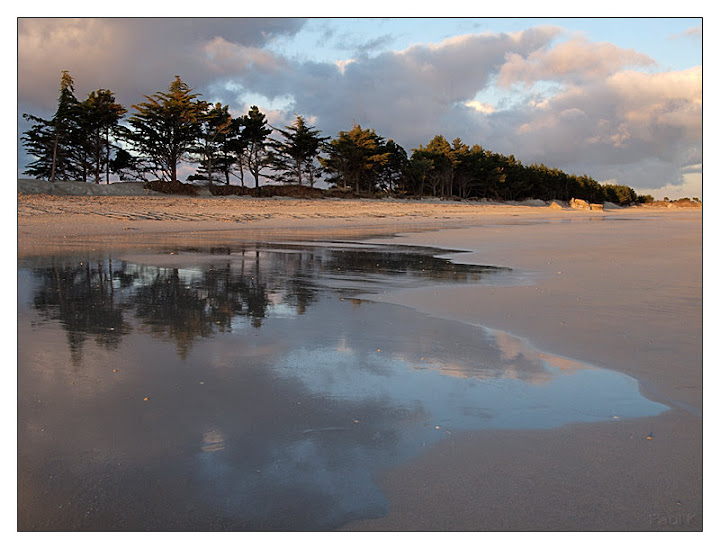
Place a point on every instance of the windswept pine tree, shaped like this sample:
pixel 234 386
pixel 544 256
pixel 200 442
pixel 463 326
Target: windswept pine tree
pixel 51 142
pixel 354 159
pixel 255 134
pixel 294 159
pixel 393 171
pixel 101 116
pixel 232 151
pixel 216 129
pixel 76 142
pixel 440 177
pixel 166 127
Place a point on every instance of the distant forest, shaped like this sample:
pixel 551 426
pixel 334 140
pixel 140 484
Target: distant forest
pixel 90 140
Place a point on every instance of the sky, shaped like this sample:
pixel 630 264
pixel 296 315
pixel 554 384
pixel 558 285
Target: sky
pixel 618 99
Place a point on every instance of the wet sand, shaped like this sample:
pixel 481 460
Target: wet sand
pixel 623 293
pixel 620 289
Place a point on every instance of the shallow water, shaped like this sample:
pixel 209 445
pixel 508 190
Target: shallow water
pixel 250 388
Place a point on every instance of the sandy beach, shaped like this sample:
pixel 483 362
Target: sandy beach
pixel 619 288
pixel 60 222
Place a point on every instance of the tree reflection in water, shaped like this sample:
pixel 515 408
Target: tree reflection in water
pixel 196 292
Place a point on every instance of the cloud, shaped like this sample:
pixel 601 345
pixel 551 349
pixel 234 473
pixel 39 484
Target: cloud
pixel 658 102
pixel 135 57
pixel 484 108
pixel 576 60
pixel 690 186
pixel 408 95
pixel 694 33
pixel 637 127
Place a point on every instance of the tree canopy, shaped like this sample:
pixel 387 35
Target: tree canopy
pixel 210 149
pixel 354 159
pixel 166 127
pixel 294 159
pixel 102 118
pixel 52 142
pixel 255 134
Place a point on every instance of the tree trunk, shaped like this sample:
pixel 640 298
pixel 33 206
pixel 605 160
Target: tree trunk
pixel 311 176
pixel 98 157
pixel 54 158
pixel 107 156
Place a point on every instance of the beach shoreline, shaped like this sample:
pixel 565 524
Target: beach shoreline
pixel 64 221
pixel 619 288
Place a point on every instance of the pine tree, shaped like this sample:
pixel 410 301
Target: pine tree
pixel 391 173
pixel 416 173
pixel 39 142
pixel 355 158
pixel 51 141
pixel 166 127
pixel 216 127
pixel 232 152
pixel 101 117
pixel 440 153
pixel 293 159
pixel 254 134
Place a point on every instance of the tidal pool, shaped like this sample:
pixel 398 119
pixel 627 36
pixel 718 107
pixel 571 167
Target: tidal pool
pixel 251 388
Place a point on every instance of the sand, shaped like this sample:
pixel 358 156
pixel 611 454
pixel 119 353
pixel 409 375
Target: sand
pixel 622 293
pixel 620 289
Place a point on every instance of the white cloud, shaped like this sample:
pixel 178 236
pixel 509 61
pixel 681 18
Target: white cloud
pixel 484 108
pixel 670 100
pixel 694 33
pixel 343 63
pixel 576 60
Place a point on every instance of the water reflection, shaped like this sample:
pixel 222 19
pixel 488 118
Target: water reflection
pixel 193 294
pixel 246 388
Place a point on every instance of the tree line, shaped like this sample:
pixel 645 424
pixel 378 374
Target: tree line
pixel 88 140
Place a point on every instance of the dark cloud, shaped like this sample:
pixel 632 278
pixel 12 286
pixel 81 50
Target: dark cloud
pixel 132 57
